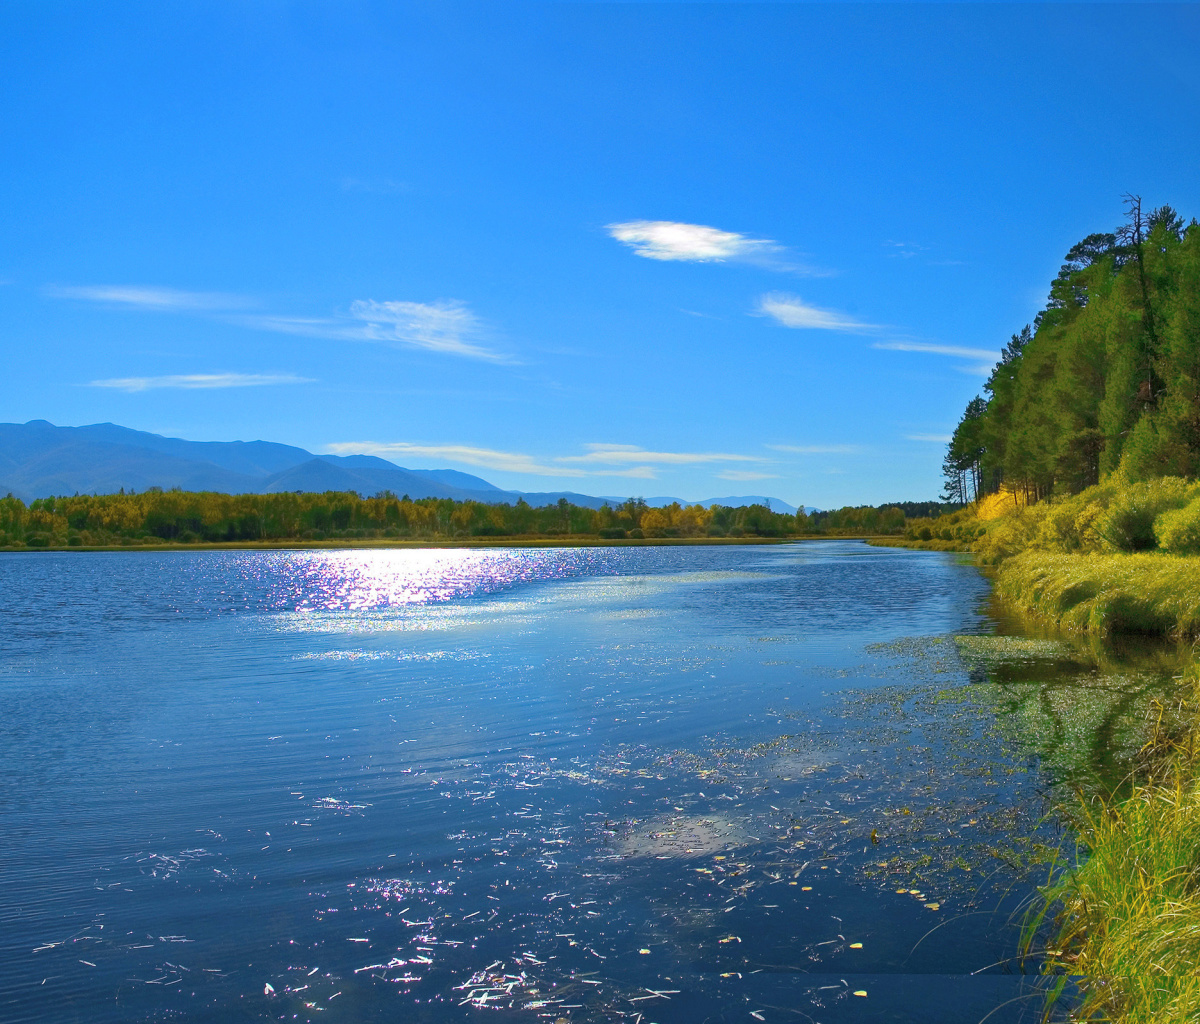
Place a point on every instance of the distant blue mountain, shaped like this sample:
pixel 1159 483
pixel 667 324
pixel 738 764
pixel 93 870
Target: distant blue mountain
pixel 774 504
pixel 38 459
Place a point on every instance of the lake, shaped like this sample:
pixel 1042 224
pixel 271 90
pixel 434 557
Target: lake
pixel 654 784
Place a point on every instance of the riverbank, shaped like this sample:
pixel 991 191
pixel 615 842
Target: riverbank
pixel 1126 904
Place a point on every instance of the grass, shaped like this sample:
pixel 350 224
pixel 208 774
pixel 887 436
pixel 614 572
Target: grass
pixel 1099 593
pixel 1129 924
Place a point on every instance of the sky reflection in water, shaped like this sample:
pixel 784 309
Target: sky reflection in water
pixel 600 784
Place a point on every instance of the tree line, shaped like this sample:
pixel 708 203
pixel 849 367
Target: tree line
pixel 182 517
pixel 1106 377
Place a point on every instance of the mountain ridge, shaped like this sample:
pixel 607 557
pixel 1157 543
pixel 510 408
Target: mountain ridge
pixel 39 459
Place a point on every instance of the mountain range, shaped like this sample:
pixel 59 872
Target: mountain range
pixel 39 459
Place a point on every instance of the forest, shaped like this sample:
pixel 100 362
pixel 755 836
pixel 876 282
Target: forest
pixel 1106 377
pixel 178 517
pixel 157 516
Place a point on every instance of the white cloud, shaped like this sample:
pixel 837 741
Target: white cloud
pixel 615 454
pixel 977 369
pixel 815 449
pixel 603 460
pixel 488 458
pixel 933 438
pixel 143 297
pixel 792 311
pixel 445 326
pixel 671 240
pixel 745 474
pixel 200 381
pixel 938 350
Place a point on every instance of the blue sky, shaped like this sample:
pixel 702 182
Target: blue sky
pixel 622 249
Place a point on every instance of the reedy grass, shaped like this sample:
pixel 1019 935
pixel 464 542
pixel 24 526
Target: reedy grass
pixel 1095 593
pixel 1129 924
pixel 1128 906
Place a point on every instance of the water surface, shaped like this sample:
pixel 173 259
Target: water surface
pixel 654 784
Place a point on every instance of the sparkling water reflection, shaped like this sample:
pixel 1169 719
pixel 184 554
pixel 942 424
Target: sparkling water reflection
pixel 653 784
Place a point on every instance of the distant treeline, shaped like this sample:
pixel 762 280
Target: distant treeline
pixel 1106 378
pixel 182 517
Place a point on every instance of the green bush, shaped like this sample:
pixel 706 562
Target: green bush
pixel 1178 530
pixel 1128 524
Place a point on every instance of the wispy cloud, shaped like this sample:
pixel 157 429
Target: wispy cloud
pixel 932 438
pixel 488 458
pixel 151 298
pixel 443 326
pixel 616 454
pixel 745 474
pixel 792 311
pixel 816 449
pixel 905 250
pixel 446 326
pixel 192 381
pixel 624 460
pixel 700 243
pixel 938 350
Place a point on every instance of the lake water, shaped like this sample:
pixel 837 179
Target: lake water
pixel 658 785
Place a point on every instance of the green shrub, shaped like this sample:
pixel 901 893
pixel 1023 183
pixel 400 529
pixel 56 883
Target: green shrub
pixel 1178 530
pixel 1128 524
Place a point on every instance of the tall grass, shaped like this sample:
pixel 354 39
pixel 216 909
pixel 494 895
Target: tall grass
pixel 1129 906
pixel 1096 593
pixel 1129 925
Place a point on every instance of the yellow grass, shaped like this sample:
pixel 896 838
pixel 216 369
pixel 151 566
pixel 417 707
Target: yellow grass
pixel 1141 593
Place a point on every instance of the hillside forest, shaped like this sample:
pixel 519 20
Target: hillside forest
pixel 1105 378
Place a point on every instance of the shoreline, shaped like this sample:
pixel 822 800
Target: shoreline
pixel 356 543
pixel 1123 907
